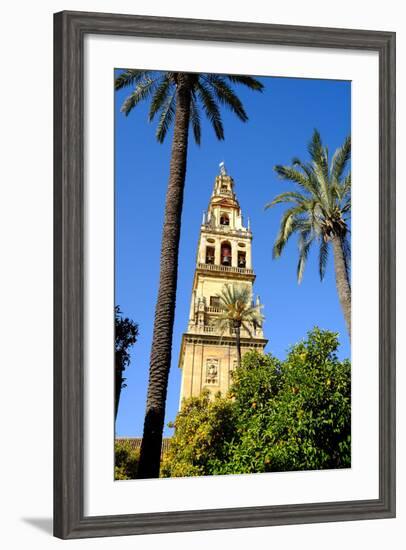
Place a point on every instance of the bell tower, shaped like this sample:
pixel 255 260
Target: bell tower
pixel 207 357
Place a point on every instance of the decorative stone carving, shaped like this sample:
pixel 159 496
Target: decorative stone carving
pixel 212 371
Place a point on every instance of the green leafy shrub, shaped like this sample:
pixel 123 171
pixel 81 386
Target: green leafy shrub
pixel 201 429
pixel 302 421
pixel 125 460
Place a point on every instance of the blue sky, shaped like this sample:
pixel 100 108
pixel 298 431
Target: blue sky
pixel 281 122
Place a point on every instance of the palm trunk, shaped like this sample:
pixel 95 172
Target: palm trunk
pixel 238 344
pixel 161 348
pixel 342 282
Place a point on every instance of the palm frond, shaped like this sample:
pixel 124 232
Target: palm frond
pixel 195 120
pixel 340 159
pixel 222 324
pixel 288 196
pixel 291 174
pixel 253 315
pixel 346 207
pixel 254 322
pixel 347 184
pixel 249 81
pixel 226 95
pixel 343 188
pixel 247 327
pixel 308 170
pixel 315 148
pixel 323 257
pixel 325 191
pixel 234 296
pixel 226 295
pixel 210 108
pixel 305 242
pixel 129 77
pixel 159 97
pixel 141 92
pixel 319 156
pixel 236 306
pixel 166 118
pixel 289 223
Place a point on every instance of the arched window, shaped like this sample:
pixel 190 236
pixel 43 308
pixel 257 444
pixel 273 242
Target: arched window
pixel 241 259
pixel 226 253
pixel 224 219
pixel 209 254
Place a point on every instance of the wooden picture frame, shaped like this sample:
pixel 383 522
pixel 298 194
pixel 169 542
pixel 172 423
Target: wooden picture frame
pixel 70 29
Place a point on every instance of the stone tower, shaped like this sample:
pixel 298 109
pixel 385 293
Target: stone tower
pixel 207 357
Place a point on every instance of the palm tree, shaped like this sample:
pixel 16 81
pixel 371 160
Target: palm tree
pixel 237 311
pixel 319 212
pixel 175 98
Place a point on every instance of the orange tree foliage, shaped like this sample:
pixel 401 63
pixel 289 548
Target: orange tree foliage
pixel 283 415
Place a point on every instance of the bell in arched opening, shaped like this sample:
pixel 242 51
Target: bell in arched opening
pixel 224 219
pixel 226 253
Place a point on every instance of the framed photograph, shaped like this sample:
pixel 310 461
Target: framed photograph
pixel 224 275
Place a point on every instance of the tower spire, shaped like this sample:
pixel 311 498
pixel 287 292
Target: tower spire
pixel 223 171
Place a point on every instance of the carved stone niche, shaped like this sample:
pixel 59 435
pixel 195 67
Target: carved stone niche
pixel 212 371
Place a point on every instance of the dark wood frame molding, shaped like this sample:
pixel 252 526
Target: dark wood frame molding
pixel 70 29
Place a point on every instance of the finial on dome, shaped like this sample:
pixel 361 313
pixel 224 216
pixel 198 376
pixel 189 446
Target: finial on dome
pixel 223 171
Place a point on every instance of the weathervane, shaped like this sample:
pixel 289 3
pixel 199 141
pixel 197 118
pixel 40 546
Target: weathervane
pixel 222 168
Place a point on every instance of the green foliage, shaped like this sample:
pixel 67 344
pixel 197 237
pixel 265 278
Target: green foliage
pixel 255 383
pixel 126 333
pixel 201 429
pixel 125 460
pixel 208 92
pixel 319 208
pixel 302 421
pixel 237 309
pixel 282 416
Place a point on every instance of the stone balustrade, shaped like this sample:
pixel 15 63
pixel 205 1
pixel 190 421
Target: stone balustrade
pixel 212 329
pixel 226 268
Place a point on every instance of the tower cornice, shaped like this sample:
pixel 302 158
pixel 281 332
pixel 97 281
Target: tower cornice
pixel 225 230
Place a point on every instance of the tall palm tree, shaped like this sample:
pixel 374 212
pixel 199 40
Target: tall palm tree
pixel 175 98
pixel 236 312
pixel 319 212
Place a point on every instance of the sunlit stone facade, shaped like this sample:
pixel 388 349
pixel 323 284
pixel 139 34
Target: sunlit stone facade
pixel 208 358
